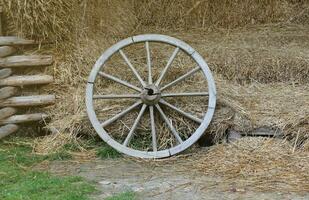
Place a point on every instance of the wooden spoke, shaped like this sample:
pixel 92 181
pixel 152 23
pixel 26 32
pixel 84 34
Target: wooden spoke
pixel 132 68
pixel 169 124
pixel 121 114
pixel 170 61
pixel 188 115
pixel 153 129
pixel 183 77
pixel 140 114
pixel 113 78
pixel 184 94
pixel 148 63
pixel 116 96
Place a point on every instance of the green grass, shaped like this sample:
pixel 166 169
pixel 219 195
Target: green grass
pixel 106 152
pixel 129 195
pixel 18 181
pixel 102 149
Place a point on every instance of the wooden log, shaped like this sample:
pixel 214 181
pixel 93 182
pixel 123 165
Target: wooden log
pixel 37 100
pixel 26 80
pixel 13 40
pixel 6 72
pixel 1 11
pixel 6 51
pixel 7 92
pixel 7 112
pixel 7 130
pixel 17 119
pixel 26 61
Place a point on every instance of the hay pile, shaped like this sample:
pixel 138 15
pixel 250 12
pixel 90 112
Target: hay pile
pixel 186 14
pixel 67 21
pixel 279 106
pixel 245 59
pixel 258 164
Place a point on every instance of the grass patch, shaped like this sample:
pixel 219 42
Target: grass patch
pixel 128 195
pixel 18 181
pixel 105 152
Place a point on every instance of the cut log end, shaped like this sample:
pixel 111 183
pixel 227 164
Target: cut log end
pixel 13 40
pixel 7 130
pixel 5 73
pixel 17 119
pixel 6 51
pixel 38 100
pixel 7 112
pixel 26 61
pixel 7 92
pixel 26 80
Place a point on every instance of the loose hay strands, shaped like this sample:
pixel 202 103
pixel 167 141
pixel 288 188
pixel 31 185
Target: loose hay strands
pixel 260 164
pixel 66 20
pixel 186 14
pixel 39 19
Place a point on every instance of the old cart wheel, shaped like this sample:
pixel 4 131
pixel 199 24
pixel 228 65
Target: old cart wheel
pixel 150 97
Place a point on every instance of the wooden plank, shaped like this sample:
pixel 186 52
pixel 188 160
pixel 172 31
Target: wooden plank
pixel 37 100
pixel 7 92
pixel 7 112
pixel 26 80
pixel 13 40
pixel 6 51
pixel 7 130
pixel 17 119
pixel 264 132
pixel 6 72
pixel 26 61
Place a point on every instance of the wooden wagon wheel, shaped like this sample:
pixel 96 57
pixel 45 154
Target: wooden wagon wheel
pixel 150 96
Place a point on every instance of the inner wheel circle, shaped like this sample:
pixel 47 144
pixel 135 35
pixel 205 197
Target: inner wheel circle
pixel 154 106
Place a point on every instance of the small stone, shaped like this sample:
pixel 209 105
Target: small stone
pixel 105 182
pixel 138 189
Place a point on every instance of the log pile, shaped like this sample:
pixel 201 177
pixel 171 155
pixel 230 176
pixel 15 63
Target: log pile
pixel 11 85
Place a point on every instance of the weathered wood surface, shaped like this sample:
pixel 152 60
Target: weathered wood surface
pixel 37 100
pixel 1 30
pixel 6 51
pixel 26 61
pixel 7 112
pixel 13 40
pixel 6 72
pixel 7 92
pixel 17 119
pixel 26 80
pixel 7 130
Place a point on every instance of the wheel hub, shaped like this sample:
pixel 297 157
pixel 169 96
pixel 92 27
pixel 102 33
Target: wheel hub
pixel 151 94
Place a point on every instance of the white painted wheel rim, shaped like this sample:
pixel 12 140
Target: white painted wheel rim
pixel 151 38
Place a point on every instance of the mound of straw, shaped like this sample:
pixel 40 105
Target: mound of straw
pixel 261 70
pixel 185 14
pixel 258 164
pixel 67 20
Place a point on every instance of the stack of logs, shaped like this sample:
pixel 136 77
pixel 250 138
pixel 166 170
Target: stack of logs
pixel 10 85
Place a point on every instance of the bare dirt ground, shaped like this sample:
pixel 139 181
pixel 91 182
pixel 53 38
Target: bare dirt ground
pixel 163 179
